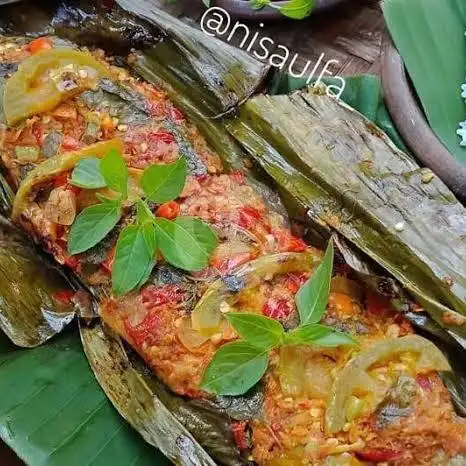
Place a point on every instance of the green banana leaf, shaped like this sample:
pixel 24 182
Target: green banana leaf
pixel 53 412
pixel 430 37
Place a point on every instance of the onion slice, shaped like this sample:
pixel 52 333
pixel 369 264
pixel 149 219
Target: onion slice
pixel 354 377
pixel 207 315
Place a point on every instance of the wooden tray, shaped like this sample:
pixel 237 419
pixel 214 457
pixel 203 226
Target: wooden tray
pixel 410 121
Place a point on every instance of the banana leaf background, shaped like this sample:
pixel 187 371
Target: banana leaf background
pixel 53 411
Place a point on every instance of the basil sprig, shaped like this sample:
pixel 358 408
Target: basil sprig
pixel 236 367
pixel 186 242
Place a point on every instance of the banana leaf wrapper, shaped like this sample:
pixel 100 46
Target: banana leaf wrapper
pixel 349 177
pixel 29 313
pixel 215 75
pixel 135 387
pixel 210 422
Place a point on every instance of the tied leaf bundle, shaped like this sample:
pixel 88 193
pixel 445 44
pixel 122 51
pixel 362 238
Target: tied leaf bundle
pixel 348 177
pixel 184 242
pixel 236 367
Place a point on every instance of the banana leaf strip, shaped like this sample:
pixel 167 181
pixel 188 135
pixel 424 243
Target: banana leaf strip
pixel 162 418
pixel 29 314
pixel 6 197
pixel 215 75
pixel 350 177
pixel 363 93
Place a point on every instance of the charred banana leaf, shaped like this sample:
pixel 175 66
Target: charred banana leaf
pixel 215 75
pixel 164 420
pixel 6 197
pixel 350 178
pixel 29 315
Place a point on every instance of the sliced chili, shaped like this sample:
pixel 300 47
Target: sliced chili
pixel 64 297
pixel 169 210
pixel 39 45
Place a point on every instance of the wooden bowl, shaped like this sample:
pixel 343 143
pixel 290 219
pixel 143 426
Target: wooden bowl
pixel 242 9
pixel 411 122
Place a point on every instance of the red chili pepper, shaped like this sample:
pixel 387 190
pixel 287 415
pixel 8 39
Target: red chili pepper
pixel 72 262
pixel 69 143
pixel 39 45
pixel 64 297
pixel 163 136
pixel 157 109
pixel 424 382
pixel 225 265
pixel 61 180
pixel 294 281
pixel 175 115
pixel 108 4
pixel 238 430
pixel 237 176
pixel 154 296
pixel 377 304
pixel 146 331
pixel 37 132
pixel 248 217
pixel 169 210
pixel 288 242
pixel 378 456
pixel 277 308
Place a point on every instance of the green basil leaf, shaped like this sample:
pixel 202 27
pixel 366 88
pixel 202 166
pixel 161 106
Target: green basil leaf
pixel 257 330
pixel 144 214
pixel 87 174
pixel 312 297
pixel 235 368
pixel 186 243
pixel 259 4
pixel 163 183
pixel 115 172
pixel 146 275
pixel 133 256
pixel 297 9
pixel 320 335
pixel 92 225
pixel 150 237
